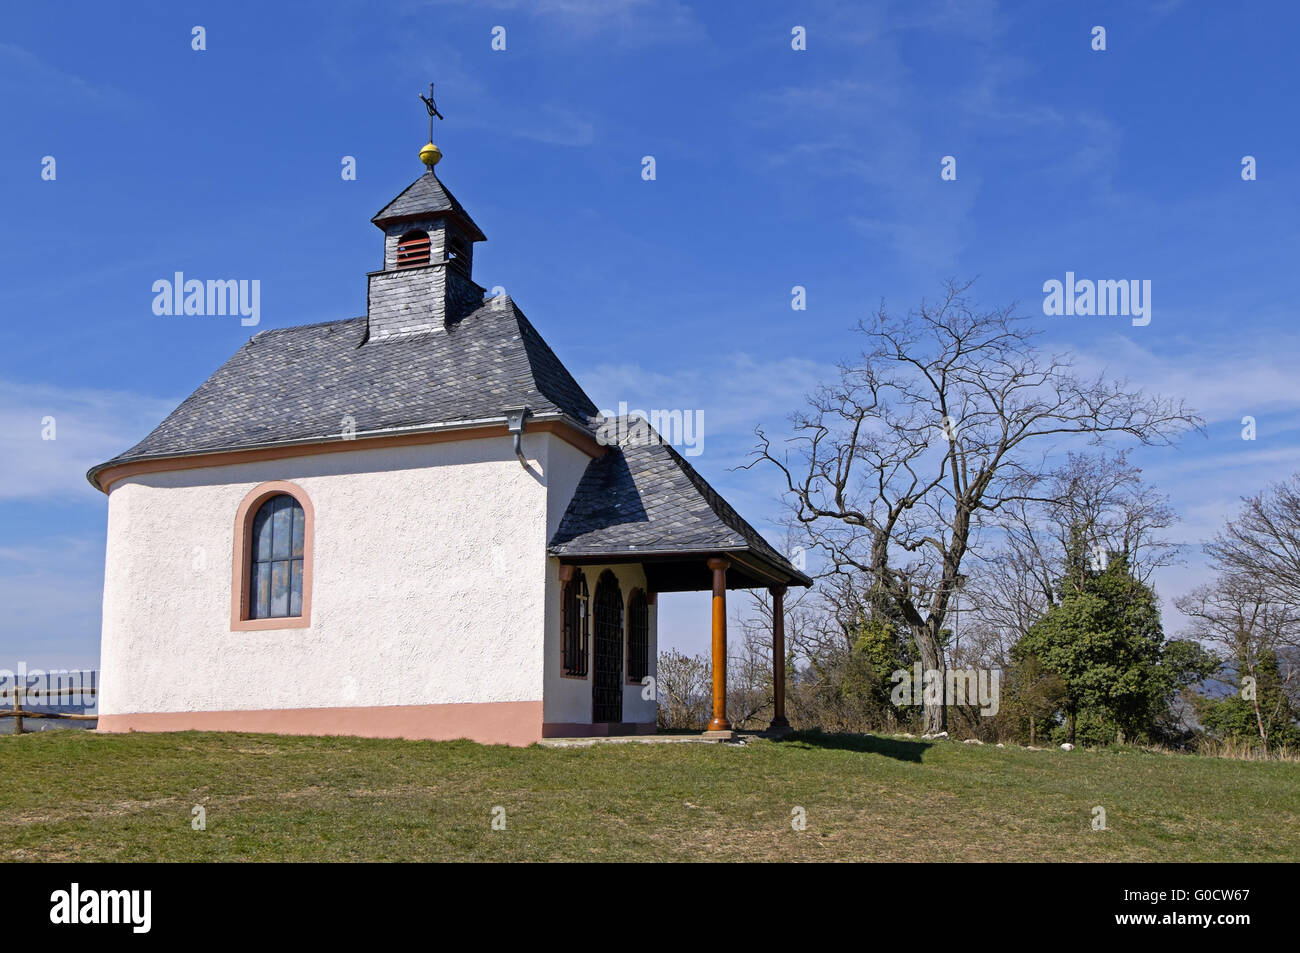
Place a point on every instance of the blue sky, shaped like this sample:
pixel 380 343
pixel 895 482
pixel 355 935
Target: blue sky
pixel 775 168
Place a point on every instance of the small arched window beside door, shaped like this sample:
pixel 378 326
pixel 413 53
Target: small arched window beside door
pixel 573 625
pixel 638 636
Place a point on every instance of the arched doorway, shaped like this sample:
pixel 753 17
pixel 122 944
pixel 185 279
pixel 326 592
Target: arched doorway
pixel 607 651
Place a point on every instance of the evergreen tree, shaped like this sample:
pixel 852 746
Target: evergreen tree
pixel 1104 640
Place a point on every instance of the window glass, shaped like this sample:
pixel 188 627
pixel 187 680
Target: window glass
pixel 277 548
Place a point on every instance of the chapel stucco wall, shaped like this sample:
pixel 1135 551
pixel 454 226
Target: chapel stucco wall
pixel 430 582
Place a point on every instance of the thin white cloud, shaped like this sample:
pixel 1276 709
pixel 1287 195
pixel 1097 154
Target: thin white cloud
pixel 624 22
pixel 89 427
pixel 53 595
pixel 479 109
pixel 736 392
pixel 552 125
pixel 20 69
pixel 885 142
pixel 1224 378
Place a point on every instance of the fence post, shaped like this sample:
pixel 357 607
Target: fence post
pixel 18 711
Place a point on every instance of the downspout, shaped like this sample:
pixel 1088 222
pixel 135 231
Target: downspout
pixel 516 420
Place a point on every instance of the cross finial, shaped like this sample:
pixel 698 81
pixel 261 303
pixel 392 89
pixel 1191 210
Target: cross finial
pixel 430 154
pixel 432 107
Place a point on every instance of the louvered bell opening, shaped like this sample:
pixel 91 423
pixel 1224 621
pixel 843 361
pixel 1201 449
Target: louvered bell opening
pixel 458 256
pixel 413 250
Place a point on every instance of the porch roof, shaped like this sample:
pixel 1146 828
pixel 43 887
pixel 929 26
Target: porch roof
pixel 643 502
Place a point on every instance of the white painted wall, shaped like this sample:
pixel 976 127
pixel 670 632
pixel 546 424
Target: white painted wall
pixel 565 465
pixel 431 582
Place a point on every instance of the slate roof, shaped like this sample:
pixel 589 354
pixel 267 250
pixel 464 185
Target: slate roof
pixel 426 196
pixel 644 497
pixel 297 384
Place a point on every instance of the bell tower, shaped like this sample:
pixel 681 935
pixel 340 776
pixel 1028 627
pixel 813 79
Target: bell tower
pixel 426 283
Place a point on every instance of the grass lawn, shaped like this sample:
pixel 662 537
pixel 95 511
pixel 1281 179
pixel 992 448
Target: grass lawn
pixel 75 795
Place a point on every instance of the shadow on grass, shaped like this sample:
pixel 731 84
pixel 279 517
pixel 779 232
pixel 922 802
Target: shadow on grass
pixel 864 744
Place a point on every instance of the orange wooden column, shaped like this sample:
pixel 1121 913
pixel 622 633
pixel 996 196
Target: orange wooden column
pixel 778 660
pixel 719 567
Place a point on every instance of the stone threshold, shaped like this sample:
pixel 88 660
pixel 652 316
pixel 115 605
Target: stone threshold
pixel 705 738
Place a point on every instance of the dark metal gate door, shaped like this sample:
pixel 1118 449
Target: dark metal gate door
pixel 607 681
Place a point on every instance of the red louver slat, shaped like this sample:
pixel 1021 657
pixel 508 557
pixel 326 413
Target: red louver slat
pixel 413 250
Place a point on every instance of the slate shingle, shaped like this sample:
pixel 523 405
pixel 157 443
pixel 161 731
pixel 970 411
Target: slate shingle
pixel 644 497
pixel 423 197
pixel 298 384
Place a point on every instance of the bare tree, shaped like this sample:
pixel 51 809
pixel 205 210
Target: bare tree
pixel 825 619
pixel 809 623
pixel 684 689
pixel 749 677
pixel 1263 542
pixel 1100 496
pixel 1238 615
pixel 949 415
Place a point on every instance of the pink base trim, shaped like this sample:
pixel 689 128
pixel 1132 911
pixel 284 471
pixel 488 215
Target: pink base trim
pixel 574 729
pixel 501 723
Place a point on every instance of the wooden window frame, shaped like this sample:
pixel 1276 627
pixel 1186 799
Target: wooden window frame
pixel 241 572
pixel 627 626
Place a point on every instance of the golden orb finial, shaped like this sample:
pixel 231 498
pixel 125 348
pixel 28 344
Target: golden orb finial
pixel 430 155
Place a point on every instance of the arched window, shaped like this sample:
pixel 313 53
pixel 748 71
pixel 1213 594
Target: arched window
pixel 573 625
pixel 638 636
pixel 271 588
pixel 275 571
pixel 413 249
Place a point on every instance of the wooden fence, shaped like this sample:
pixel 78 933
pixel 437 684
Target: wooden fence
pixel 19 714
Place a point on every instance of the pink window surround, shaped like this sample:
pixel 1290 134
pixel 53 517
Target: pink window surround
pixel 241 572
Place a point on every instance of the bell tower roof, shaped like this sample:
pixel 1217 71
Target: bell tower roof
pixel 427 198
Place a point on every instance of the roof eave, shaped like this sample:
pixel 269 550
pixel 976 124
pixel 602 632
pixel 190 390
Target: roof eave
pixel 382 221
pixel 333 441
pixel 785 572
